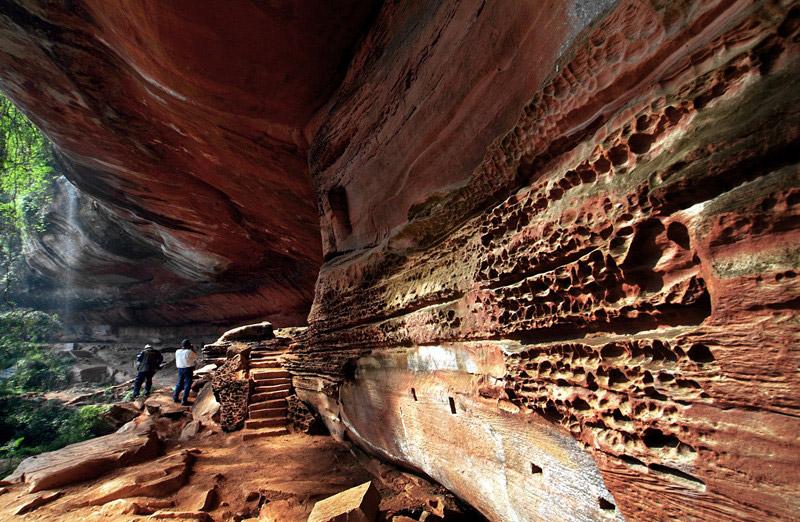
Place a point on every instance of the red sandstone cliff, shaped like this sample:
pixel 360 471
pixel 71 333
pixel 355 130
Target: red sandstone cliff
pixel 185 121
pixel 613 275
pixel 560 237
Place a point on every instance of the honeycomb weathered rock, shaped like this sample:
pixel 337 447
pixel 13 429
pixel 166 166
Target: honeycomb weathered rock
pixel 232 388
pixel 619 270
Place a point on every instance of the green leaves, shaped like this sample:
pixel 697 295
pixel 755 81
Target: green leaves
pixel 29 427
pixel 25 171
pixel 39 371
pixel 26 176
pixel 20 331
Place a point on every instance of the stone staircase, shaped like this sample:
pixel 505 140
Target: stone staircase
pixel 267 408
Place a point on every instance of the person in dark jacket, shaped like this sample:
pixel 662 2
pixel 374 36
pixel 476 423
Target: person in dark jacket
pixel 148 362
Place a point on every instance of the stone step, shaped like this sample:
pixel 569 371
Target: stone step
pixel 273 382
pixel 266 360
pixel 264 364
pixel 266 432
pixel 266 388
pixel 265 405
pixel 257 424
pixel 270 373
pixel 269 413
pixel 260 397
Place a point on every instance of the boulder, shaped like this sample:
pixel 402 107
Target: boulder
pixel 191 430
pixel 358 504
pixel 135 442
pixel 205 370
pixel 96 373
pixel 201 498
pixel 158 479
pixel 120 414
pixel 163 405
pixel 215 350
pixel 249 332
pixel 206 408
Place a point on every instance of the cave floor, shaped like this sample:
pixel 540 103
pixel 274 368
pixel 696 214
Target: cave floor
pixel 286 474
pixel 275 478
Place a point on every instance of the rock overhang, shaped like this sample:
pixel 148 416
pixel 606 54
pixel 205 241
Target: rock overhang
pixel 186 122
pixel 192 125
pixel 598 279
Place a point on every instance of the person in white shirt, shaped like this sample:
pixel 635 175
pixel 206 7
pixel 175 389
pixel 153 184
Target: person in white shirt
pixel 185 359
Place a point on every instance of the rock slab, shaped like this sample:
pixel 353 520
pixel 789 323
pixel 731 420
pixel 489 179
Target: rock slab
pixel 135 442
pixel 358 504
pixel 36 501
pixel 159 479
pixel 205 408
pixel 249 332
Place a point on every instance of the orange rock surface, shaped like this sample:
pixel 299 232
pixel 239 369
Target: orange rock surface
pixel 595 316
pixel 559 256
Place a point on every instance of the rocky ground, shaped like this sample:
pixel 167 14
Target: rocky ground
pixel 176 463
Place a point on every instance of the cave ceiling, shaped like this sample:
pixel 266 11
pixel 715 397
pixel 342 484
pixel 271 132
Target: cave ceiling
pixel 187 126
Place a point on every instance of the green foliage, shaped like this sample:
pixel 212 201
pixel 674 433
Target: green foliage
pixel 39 372
pixel 31 367
pixel 29 427
pixel 83 423
pixel 21 331
pixel 26 176
pixel 25 171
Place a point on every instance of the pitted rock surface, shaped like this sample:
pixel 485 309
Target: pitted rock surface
pixel 559 239
pixel 232 389
pixel 619 264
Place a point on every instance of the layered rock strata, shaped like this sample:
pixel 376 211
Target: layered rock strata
pixel 134 443
pixel 188 128
pixel 560 238
pixel 573 296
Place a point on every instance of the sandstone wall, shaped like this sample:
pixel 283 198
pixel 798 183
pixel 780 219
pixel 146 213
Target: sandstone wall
pixel 185 121
pixel 561 262
pixel 559 237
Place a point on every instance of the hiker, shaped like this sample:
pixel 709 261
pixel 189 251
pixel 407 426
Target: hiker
pixel 148 362
pixel 185 359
